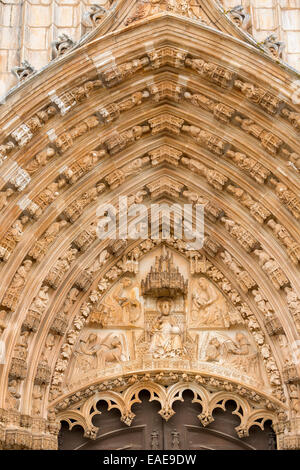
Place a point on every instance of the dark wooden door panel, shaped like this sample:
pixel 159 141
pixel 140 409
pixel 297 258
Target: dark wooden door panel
pixel 133 438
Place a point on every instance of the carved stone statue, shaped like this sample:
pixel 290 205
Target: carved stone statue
pixel 240 17
pixel 23 71
pixel 121 305
pixel 12 400
pixel 97 354
pixel 237 353
pixel 209 307
pixel 12 295
pixel 62 45
pixel 40 247
pixel 4 195
pixel 94 15
pixel 166 336
pixel 10 240
pixel 274 46
pixel 60 268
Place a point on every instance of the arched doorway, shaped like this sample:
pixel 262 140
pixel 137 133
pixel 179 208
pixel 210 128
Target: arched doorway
pixel 183 431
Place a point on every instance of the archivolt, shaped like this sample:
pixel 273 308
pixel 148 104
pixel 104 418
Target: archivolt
pixel 44 139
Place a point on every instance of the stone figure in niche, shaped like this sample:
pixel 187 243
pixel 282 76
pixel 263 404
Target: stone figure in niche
pixel 21 348
pixel 166 338
pixel 122 305
pixel 12 400
pixel 37 400
pixel 97 354
pixel 209 308
pixel 13 293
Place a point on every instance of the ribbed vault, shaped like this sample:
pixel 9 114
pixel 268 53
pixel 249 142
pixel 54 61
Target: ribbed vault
pixel 182 116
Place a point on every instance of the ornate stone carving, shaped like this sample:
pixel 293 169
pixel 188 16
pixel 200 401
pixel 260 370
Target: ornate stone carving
pixel 96 353
pixel 23 71
pixel 148 8
pixel 12 295
pixel 3 321
pixel 121 306
pixel 4 196
pixel 167 56
pixel 263 98
pixel 237 353
pixel 117 177
pixel 116 248
pixel 164 185
pixel 95 14
pixel 270 142
pixel 43 372
pixel 165 154
pixel 40 160
pixel 71 98
pixel 19 178
pixel 221 111
pixel 165 333
pixel 257 210
pixel 113 110
pixel 83 165
pixel 274 46
pixel 243 278
pixel 13 397
pixel 86 238
pixel 294 304
pixel 118 142
pixel 44 199
pixel 244 238
pixel 240 17
pixel 250 412
pixel 249 165
pixel 293 248
pixel 11 239
pixel 18 369
pixel 66 140
pixel 164 279
pixel 272 269
pixel 233 318
pixel 59 324
pixel 206 139
pixel 22 135
pixel 113 75
pixel 217 74
pixel 39 249
pixel 165 122
pixel 292 116
pixel 214 178
pixel 56 274
pixel 273 325
pixel 208 307
pixel 62 45
pixel 287 197
pixel 211 211
pixel 36 310
pixel 165 91
pixel 74 210
pixel 290 373
pixel 37 398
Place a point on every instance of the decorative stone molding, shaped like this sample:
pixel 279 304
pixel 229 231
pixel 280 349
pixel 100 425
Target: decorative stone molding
pixel 166 388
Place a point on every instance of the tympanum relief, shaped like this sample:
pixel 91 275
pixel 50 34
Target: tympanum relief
pixel 163 315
